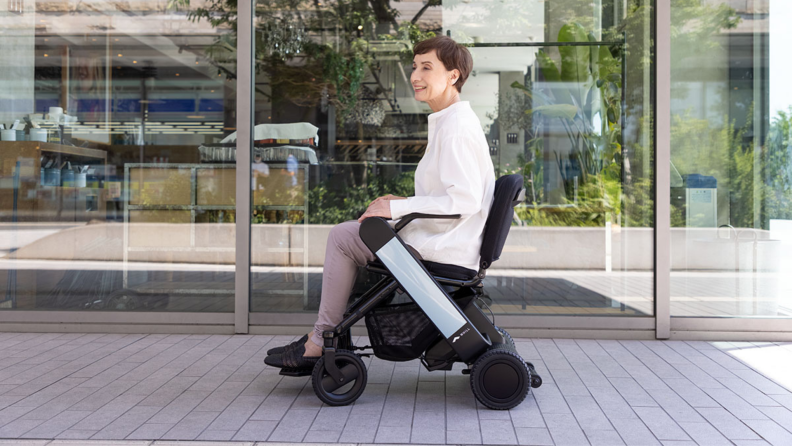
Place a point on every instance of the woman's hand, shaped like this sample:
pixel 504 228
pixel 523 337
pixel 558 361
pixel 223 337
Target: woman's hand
pixel 386 198
pixel 380 207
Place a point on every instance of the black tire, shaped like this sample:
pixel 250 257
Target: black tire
pixel 123 300
pixel 353 369
pixel 507 339
pixel 500 379
pixel 536 381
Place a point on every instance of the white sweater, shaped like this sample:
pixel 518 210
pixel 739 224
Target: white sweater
pixel 455 176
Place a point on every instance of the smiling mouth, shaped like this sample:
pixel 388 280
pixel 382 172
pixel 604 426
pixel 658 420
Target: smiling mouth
pixel 417 89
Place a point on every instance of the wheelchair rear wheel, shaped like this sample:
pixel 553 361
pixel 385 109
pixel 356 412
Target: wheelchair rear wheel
pixel 355 378
pixel 500 379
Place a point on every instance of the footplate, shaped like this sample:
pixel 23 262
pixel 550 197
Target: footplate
pixel 424 290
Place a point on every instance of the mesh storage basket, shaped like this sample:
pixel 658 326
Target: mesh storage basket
pixel 402 332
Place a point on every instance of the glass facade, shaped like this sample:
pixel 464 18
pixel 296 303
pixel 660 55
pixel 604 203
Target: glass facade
pixel 562 92
pixel 731 177
pixel 108 200
pixel 119 177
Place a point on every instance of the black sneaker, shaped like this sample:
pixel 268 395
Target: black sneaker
pixel 292 359
pixel 279 350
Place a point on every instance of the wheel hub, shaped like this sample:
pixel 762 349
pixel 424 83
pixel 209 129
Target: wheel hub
pixel 501 381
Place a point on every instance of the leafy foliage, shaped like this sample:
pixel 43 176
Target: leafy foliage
pixel 331 207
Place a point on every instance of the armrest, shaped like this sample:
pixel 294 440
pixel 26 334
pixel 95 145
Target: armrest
pixel 410 217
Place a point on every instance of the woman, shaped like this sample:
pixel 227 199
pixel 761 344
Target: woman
pixel 455 176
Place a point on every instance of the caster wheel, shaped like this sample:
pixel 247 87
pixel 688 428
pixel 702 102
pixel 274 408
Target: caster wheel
pixel 500 379
pixel 536 381
pixel 507 339
pixel 355 377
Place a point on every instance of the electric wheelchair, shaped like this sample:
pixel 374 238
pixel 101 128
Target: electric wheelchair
pixel 428 311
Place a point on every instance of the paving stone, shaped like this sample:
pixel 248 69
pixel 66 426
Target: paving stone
pixel 190 426
pixel 498 432
pixel 736 405
pixel 331 419
pixel 632 392
pixel 205 443
pixel 634 432
pixel 661 425
pixel 551 401
pixel 526 415
pixel 588 413
pixel 393 434
pixel 675 406
pixel 565 430
pixel 748 392
pixel 215 435
pixel 322 437
pixel 780 415
pixel 258 431
pixel 429 428
pixel 235 415
pixel 76 434
pixel 430 396
pixel 464 437
pixel 57 424
pixel 611 403
pixel 534 436
pixel 704 433
pixel 604 438
pixel 126 423
pixel 728 424
pixel 18 427
pixel 751 443
pixel 294 425
pixel 151 431
pixel 179 407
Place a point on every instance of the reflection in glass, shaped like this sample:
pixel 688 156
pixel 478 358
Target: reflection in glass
pixel 731 185
pixel 106 203
pixel 562 89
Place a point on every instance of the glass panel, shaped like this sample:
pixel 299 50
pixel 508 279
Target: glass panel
pixel 731 184
pixel 562 90
pixel 107 199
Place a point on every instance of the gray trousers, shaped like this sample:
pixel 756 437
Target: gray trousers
pixel 345 253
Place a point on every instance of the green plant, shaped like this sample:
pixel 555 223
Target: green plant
pixel 583 91
pixel 333 207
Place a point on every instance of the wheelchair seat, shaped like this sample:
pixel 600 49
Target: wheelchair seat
pixel 436 269
pixel 508 193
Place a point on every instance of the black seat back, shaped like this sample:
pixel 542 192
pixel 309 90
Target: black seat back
pixel 508 193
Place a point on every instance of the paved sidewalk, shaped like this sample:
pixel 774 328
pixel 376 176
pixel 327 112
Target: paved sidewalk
pixel 202 387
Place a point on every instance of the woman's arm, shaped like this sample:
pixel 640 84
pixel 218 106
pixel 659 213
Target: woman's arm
pixel 379 208
pixel 460 176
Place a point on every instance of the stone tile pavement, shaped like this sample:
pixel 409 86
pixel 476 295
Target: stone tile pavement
pixel 92 387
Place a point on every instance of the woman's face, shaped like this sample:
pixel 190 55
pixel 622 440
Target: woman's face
pixel 430 79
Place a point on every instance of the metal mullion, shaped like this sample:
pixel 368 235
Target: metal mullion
pixel 244 124
pixel 662 168
pixel 193 203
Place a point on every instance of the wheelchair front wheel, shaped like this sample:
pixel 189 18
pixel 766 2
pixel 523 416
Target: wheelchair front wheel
pixel 355 378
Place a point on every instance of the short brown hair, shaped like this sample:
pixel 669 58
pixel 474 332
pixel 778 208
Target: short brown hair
pixel 453 56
